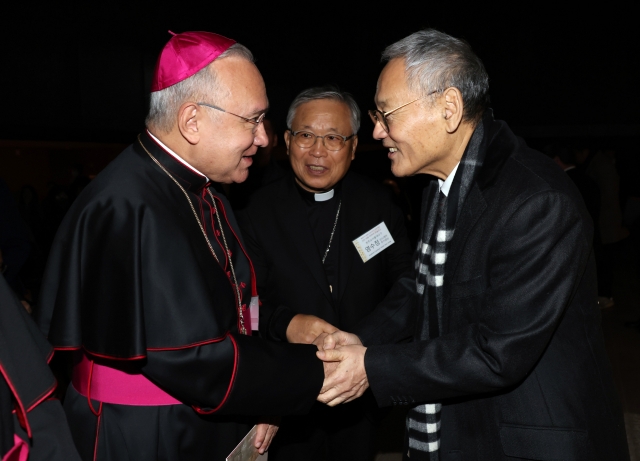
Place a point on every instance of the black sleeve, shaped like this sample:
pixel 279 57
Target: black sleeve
pixel 240 375
pixel 535 263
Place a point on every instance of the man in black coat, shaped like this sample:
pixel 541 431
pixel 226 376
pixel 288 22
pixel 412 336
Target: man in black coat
pixel 507 359
pixel 299 233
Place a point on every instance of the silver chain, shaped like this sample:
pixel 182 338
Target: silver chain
pixel 243 329
pixel 335 223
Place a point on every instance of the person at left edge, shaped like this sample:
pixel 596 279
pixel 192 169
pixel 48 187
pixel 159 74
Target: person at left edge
pixel 149 283
pixel 32 424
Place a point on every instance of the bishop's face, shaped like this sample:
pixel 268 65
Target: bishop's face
pixel 229 142
pixel 318 169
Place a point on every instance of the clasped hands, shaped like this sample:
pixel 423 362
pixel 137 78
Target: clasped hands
pixel 342 353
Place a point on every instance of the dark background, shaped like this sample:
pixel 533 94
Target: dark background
pixel 75 79
pixel 76 74
pixel 80 71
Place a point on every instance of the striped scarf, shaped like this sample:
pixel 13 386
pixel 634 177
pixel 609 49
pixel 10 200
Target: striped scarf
pixel 439 214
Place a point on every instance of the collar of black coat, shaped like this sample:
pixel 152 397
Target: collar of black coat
pixel 499 143
pixel 188 178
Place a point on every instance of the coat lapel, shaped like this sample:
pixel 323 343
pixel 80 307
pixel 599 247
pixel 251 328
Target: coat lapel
pixel 500 142
pixel 294 217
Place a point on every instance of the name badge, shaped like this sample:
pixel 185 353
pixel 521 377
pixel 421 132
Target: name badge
pixel 373 242
pixel 254 311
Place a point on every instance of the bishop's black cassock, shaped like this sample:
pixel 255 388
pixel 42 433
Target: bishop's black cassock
pixel 131 284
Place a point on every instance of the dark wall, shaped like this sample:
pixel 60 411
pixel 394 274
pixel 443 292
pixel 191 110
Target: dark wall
pixel 80 71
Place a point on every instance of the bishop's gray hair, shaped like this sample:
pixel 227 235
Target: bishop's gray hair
pixel 164 104
pixel 326 92
pixel 435 61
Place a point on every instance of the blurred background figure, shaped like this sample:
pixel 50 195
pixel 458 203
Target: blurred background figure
pixel 14 243
pixel 602 169
pixel 78 181
pixel 566 159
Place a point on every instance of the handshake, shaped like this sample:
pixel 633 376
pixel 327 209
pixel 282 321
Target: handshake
pixel 342 353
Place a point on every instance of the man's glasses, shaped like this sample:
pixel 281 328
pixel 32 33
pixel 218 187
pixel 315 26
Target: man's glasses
pixel 254 121
pixel 333 142
pixel 377 116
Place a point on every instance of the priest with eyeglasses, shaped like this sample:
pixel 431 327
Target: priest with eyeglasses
pixel 327 244
pixel 150 287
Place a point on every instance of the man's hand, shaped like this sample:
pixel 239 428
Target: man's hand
pixel 338 339
pixel 265 433
pixel 349 380
pixel 319 341
pixel 304 329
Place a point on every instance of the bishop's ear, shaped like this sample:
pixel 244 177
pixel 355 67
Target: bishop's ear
pixel 453 108
pixel 190 118
pixel 287 139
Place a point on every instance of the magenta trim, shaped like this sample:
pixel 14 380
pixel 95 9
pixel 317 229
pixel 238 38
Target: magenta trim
pixel 21 412
pixel 19 451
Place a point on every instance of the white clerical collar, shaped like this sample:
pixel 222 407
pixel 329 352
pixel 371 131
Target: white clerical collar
pixel 174 155
pixel 446 184
pixel 324 196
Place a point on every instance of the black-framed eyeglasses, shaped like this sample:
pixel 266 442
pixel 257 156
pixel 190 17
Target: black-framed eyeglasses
pixel 254 121
pixel 333 142
pixel 377 116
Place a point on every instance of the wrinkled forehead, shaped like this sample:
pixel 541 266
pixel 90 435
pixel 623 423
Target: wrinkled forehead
pixel 241 83
pixel 322 111
pixel 392 84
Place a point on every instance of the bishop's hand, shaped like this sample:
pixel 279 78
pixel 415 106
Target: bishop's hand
pixel 338 339
pixel 305 329
pixel 265 433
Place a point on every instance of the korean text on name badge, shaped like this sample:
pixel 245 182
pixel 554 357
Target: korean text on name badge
pixel 373 241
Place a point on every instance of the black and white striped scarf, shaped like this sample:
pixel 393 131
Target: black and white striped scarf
pixel 439 215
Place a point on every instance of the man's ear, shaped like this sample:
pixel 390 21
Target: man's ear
pixel 453 108
pixel 287 139
pixel 190 121
pixel 353 147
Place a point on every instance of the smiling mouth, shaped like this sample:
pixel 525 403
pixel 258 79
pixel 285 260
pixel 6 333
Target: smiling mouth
pixel 392 150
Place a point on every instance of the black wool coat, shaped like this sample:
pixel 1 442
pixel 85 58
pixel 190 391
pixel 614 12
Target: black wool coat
pixel 520 365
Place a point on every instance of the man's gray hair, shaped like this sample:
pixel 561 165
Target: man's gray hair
pixel 435 61
pixel 164 104
pixel 326 92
